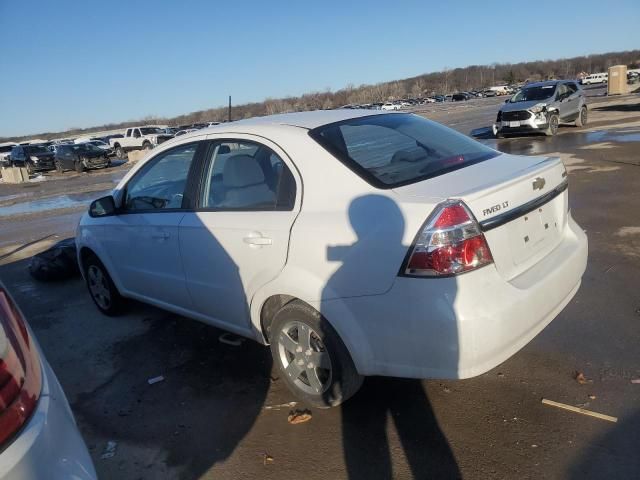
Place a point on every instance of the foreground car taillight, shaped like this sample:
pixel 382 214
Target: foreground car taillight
pixel 451 242
pixel 20 374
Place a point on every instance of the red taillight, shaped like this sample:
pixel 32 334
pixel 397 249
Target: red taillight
pixel 20 375
pixel 450 243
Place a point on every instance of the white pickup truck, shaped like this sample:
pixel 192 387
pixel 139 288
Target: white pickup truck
pixel 139 138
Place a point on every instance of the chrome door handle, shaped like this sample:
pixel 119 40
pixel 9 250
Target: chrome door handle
pixel 257 240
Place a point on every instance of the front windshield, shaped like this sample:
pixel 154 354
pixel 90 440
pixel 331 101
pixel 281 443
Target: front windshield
pixel 35 149
pixel 528 94
pixel 150 130
pixel 86 147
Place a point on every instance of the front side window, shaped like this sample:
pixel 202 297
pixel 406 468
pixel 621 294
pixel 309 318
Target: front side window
pixel 243 175
pixel 391 150
pixel 161 183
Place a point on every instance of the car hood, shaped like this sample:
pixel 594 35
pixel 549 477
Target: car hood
pixel 513 107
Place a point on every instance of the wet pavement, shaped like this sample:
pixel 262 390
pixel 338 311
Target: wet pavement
pixel 207 418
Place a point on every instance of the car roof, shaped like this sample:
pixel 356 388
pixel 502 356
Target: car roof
pixel 308 120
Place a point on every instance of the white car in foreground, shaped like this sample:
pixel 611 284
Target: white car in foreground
pixel 38 434
pixel 353 242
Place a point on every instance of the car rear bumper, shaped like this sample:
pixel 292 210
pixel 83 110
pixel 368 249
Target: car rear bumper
pixel 49 445
pixel 462 326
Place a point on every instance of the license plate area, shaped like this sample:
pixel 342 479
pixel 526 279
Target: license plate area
pixel 513 124
pixel 533 232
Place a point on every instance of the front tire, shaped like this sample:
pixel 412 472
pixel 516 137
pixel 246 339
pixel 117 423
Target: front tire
pixel 581 121
pixel 120 152
pixel 315 364
pixel 79 166
pixel 59 168
pixel 554 122
pixel 103 291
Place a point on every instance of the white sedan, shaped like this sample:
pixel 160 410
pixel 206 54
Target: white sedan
pixel 38 434
pixel 352 242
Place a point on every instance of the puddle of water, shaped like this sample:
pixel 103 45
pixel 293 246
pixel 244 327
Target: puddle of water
pixel 52 203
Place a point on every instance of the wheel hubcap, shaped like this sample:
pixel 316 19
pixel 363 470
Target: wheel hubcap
pixel 304 357
pixel 98 287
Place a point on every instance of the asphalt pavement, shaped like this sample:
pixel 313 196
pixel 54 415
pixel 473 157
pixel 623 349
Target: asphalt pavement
pixel 207 418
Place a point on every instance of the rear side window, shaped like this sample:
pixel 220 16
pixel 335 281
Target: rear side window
pixel 246 176
pixel 398 149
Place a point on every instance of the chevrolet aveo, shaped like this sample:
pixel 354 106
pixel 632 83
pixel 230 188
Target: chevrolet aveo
pixel 352 243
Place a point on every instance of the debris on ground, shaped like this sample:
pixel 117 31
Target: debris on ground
pixel 109 450
pixel 592 397
pixel 266 458
pixel 635 380
pixel 299 416
pixel 571 408
pixel 581 379
pixel 157 379
pixel 57 263
pixel 231 339
pixel 281 405
pixel 500 375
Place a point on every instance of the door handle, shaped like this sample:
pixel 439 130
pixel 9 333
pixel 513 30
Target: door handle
pixel 259 241
pixel 160 236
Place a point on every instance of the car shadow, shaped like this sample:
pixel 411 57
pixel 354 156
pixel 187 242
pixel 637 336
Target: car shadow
pixel 369 451
pixel 614 455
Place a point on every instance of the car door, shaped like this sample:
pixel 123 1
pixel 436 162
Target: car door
pixel 237 239
pixel 562 99
pixel 142 240
pixel 574 95
pixel 66 157
pixel 127 140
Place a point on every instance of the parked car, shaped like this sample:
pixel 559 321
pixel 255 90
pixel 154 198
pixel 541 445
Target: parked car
pixel 138 138
pixel 418 264
pixel 489 93
pixel 459 97
pixel 439 98
pixel 595 78
pixel 39 436
pixel 35 158
pixel 541 107
pixel 5 152
pixel 80 157
pixel 390 106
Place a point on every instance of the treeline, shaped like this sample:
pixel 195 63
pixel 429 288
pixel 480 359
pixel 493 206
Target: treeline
pixel 443 82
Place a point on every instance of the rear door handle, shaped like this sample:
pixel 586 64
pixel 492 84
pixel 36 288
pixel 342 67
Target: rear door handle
pixel 260 241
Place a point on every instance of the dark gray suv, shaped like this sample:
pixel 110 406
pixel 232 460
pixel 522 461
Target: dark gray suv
pixel 541 107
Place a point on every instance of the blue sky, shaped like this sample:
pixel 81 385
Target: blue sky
pixel 82 63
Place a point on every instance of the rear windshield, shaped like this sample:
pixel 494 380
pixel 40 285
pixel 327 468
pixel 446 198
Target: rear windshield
pixel 398 149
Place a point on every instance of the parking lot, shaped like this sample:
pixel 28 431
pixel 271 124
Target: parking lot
pixel 213 415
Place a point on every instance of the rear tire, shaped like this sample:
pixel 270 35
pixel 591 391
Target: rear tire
pixel 554 122
pixel 79 166
pixel 103 291
pixel 302 340
pixel 59 168
pixel 581 121
pixel 146 146
pixel 29 168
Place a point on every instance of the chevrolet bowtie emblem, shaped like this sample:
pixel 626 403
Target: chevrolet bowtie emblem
pixel 538 183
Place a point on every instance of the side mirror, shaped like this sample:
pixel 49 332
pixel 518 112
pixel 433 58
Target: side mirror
pixel 102 207
pixel 507 100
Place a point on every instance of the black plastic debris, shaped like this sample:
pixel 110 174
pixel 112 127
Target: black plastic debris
pixel 57 263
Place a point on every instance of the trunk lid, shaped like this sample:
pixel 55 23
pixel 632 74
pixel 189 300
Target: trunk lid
pixel 520 202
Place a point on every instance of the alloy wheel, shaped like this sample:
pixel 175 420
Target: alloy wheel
pixel 304 357
pixel 99 286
